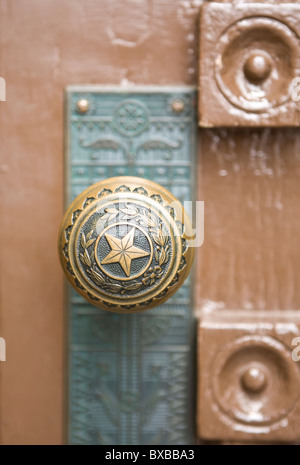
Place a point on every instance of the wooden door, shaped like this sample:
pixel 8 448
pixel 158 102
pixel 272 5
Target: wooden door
pixel 248 178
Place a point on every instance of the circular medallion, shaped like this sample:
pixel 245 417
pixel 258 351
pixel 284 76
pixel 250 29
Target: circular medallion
pixel 123 244
pixel 255 381
pixel 256 63
pixel 131 117
pixel 124 251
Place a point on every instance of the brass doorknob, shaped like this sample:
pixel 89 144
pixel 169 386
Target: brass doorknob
pixel 124 246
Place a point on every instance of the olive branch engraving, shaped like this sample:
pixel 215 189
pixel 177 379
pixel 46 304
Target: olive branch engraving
pixel 97 276
pixel 162 252
pixel 86 242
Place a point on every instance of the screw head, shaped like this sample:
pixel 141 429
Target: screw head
pixel 178 106
pixel 83 105
pixel 254 379
pixel 258 66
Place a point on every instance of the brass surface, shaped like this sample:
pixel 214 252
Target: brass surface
pixel 123 244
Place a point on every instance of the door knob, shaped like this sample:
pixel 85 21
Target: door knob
pixel 124 244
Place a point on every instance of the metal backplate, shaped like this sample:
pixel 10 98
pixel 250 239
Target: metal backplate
pixel 130 376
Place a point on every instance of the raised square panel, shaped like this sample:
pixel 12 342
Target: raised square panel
pixel 249 377
pixel 249 65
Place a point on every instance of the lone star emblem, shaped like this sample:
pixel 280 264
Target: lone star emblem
pixel 123 251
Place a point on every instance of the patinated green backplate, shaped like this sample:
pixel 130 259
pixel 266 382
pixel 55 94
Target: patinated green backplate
pixel 131 376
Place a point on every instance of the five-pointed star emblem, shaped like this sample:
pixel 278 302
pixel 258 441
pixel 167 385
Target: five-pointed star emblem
pixel 123 251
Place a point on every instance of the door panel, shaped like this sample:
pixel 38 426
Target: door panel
pixel 250 259
pixel 249 180
pixel 45 47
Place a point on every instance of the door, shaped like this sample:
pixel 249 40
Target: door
pixel 247 177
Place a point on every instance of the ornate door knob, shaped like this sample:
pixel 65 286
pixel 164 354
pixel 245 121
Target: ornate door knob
pixel 124 246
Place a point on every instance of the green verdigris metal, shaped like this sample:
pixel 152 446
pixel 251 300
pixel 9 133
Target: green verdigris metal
pixel 130 376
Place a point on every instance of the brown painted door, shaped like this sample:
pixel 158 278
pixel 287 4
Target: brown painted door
pixel 248 178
